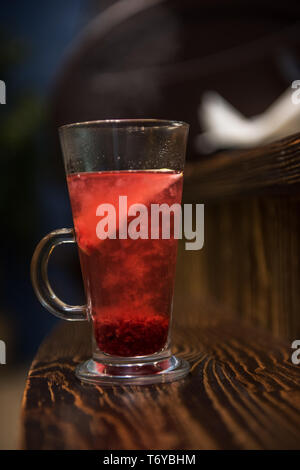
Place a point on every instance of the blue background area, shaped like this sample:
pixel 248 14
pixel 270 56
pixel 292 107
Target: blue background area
pixel 44 30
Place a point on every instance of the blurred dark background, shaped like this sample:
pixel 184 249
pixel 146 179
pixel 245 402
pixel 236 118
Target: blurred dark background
pixel 34 38
pixel 81 60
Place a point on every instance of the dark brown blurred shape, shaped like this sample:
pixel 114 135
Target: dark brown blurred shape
pixel 155 58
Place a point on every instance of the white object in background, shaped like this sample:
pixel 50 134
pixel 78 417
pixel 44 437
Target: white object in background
pixel 225 127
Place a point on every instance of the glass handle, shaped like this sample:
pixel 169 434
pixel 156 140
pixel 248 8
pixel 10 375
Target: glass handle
pixel 40 281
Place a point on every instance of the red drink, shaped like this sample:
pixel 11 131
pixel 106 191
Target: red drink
pixel 129 283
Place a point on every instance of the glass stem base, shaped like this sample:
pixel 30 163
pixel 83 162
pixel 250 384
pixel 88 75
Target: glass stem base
pixel 137 373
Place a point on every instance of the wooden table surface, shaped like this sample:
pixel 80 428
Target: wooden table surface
pixel 243 392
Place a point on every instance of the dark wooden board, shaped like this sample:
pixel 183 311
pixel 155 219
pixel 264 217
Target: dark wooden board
pixel 250 263
pixel 272 168
pixel 243 392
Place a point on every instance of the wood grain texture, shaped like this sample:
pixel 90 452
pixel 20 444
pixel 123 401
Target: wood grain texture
pixel 250 263
pixel 242 393
pixel 271 168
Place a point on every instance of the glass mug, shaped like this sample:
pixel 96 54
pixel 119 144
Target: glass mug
pixel 115 168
